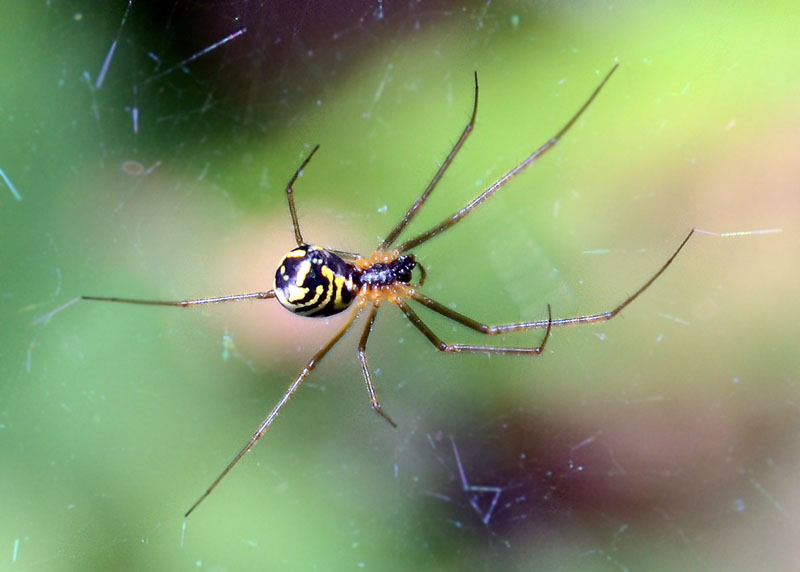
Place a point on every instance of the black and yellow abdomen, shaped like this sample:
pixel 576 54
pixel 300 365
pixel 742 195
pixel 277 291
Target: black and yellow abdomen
pixel 312 281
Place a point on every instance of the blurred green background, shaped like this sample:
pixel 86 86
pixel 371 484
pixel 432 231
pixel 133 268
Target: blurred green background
pixel 664 439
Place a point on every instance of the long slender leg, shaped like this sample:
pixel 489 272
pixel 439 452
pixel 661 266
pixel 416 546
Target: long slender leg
pixel 295 385
pixel 290 197
pixel 181 303
pixel 521 326
pixel 186 303
pixel 392 236
pixel 457 216
pixel 362 357
pixel 463 348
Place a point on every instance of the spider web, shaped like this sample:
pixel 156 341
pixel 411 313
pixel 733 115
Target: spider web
pixel 145 150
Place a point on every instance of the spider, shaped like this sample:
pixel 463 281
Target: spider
pixel 315 281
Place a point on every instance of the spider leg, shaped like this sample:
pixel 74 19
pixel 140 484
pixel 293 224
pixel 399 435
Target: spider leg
pixel 411 213
pixel 362 358
pixel 181 303
pixel 457 216
pixel 549 323
pixel 290 391
pixel 186 303
pixel 440 345
pixel 605 316
pixel 422 273
pixel 290 197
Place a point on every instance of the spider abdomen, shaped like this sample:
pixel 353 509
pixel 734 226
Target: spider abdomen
pixel 312 281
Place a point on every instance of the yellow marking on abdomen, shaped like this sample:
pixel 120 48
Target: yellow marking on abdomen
pixel 302 272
